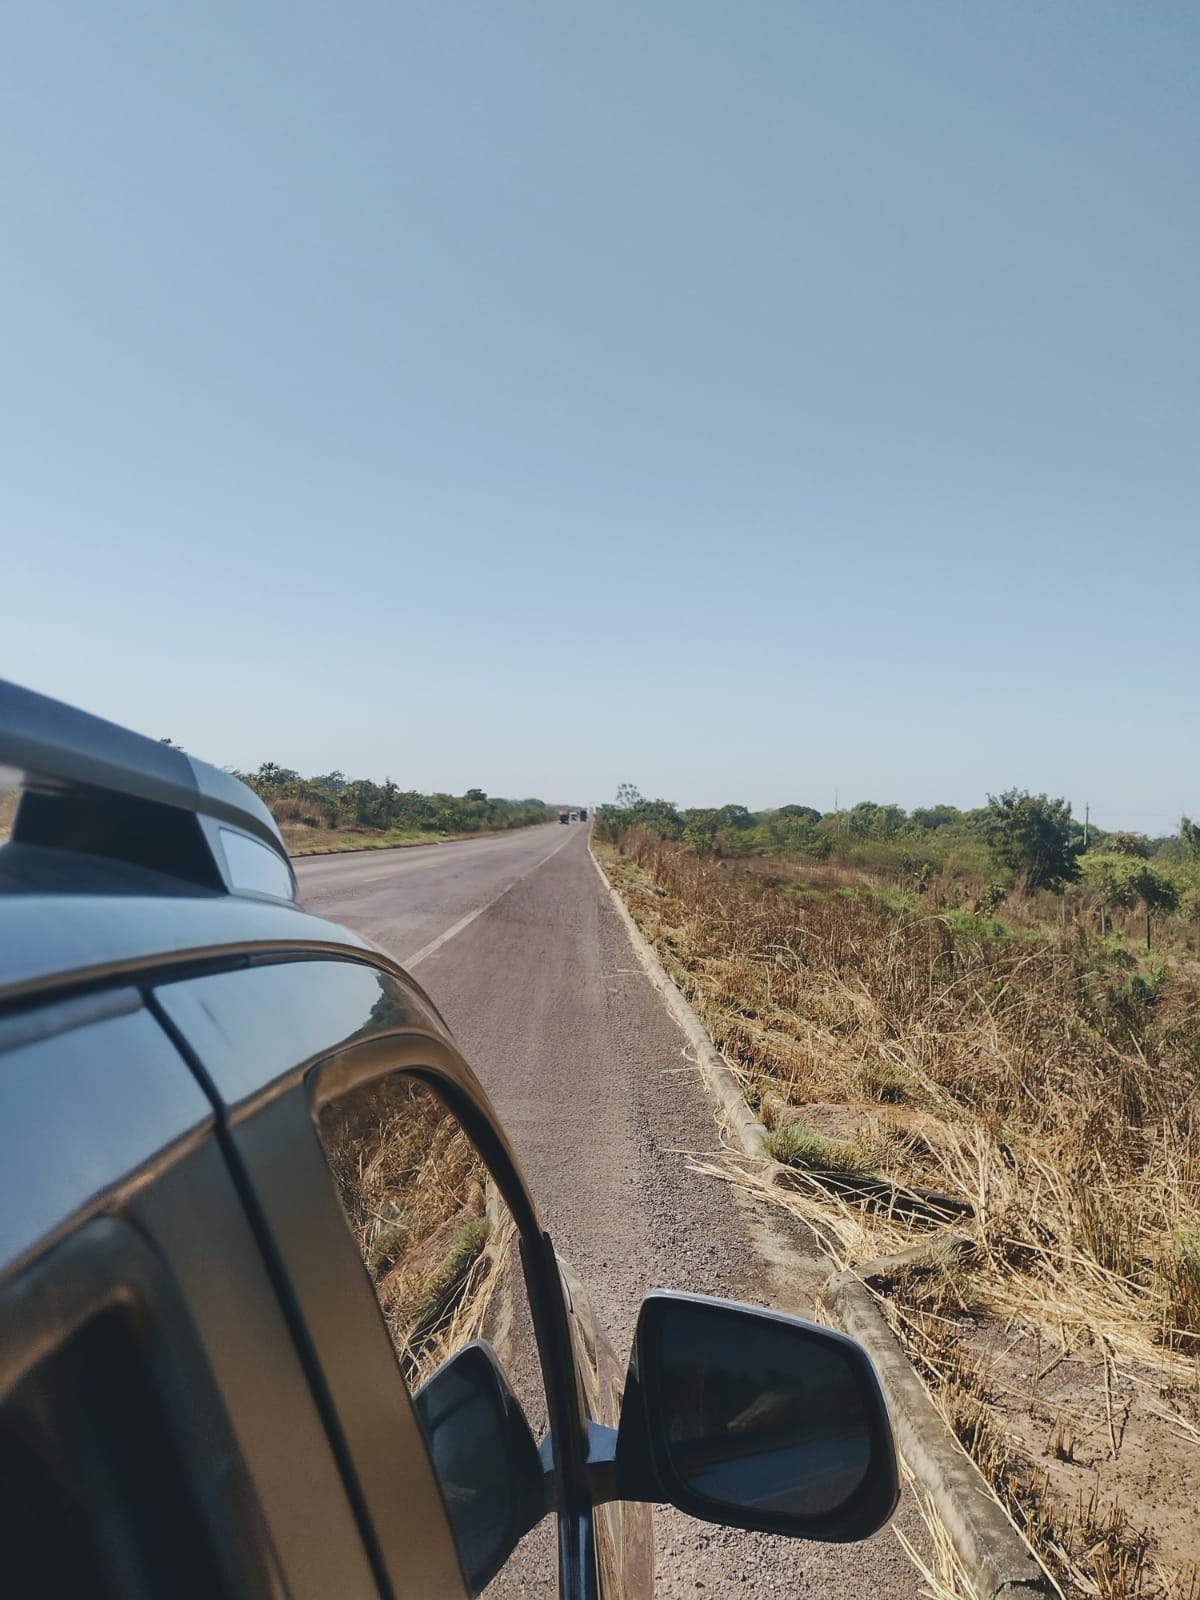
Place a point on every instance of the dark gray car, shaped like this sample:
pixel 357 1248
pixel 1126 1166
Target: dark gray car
pixel 278 1316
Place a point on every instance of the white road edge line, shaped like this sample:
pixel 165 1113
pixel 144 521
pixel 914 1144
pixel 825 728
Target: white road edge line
pixel 456 928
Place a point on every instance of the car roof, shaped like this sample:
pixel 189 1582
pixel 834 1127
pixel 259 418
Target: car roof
pixel 129 858
pixel 68 941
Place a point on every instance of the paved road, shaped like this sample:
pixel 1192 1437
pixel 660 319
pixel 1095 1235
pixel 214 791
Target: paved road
pixel 516 942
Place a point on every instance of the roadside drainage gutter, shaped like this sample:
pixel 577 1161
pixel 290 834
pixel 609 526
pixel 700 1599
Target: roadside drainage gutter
pixel 995 1554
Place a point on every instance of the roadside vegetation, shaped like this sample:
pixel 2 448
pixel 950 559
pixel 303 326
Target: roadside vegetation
pixel 972 1037
pixel 333 812
pixel 330 813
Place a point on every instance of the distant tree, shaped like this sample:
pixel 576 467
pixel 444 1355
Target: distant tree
pixel 931 818
pixel 1128 844
pixel 1189 838
pixel 733 817
pixel 1157 894
pixel 1109 876
pixel 890 820
pixel 272 776
pixel 475 794
pixel 661 815
pixel 361 805
pixel 794 830
pixel 699 828
pixel 1034 837
pixel 867 820
pixel 632 808
pixel 1124 881
pixel 860 819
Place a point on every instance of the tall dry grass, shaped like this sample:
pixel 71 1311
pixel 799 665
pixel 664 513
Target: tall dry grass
pixel 1044 1078
pixel 1058 1084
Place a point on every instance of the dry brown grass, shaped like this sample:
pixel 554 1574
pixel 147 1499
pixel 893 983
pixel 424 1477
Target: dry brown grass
pixel 1049 1080
pixel 942 1573
pixel 8 811
pixel 416 1195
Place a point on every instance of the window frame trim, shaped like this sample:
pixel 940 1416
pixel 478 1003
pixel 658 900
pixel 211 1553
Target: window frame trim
pixel 105 1267
pixel 443 1070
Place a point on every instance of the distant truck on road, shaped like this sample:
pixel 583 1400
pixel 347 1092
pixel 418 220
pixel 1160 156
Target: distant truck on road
pixel 579 815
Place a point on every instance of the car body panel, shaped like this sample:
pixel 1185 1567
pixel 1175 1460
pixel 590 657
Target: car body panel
pixel 349 1356
pixel 101 1117
pixel 259 1032
pixel 266 1035
pixel 171 1025
pixel 77 1135
pixel 623 1529
pixel 253 1355
pixel 259 1027
pixel 55 942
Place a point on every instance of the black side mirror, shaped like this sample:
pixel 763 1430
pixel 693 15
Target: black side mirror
pixel 755 1420
pixel 487 1463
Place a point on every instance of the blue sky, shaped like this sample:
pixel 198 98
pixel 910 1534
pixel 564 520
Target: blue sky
pixel 751 402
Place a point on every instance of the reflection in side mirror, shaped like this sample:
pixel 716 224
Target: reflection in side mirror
pixel 486 1461
pixel 755 1420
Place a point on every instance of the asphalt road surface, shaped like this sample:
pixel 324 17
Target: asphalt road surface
pixel 514 938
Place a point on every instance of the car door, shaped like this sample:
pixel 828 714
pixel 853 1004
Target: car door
pixel 401 1232
pixel 157 1431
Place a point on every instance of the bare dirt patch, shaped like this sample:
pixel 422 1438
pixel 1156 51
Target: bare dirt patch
pixel 1115 1442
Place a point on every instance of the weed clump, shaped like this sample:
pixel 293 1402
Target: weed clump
pixel 798 1145
pixel 1180 1272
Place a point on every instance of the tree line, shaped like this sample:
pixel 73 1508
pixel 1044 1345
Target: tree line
pixel 334 801
pixel 1025 842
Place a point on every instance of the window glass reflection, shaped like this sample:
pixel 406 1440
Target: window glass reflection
pixel 443 1254
pixel 415 1193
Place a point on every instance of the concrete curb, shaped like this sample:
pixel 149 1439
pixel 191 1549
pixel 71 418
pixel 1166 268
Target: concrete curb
pixel 990 1547
pixel 720 1082
pixel 993 1551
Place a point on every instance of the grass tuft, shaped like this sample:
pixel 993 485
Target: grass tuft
pixel 1180 1271
pixel 796 1144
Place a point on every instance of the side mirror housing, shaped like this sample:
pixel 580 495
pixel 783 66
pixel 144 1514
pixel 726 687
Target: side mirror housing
pixel 487 1464
pixel 756 1420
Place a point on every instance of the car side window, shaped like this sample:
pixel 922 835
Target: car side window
pixel 118 1474
pixel 441 1248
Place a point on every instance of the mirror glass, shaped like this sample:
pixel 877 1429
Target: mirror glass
pixel 485 1459
pixel 759 1415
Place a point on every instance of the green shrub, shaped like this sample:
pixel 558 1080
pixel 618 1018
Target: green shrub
pixel 1180 1273
pixel 799 1145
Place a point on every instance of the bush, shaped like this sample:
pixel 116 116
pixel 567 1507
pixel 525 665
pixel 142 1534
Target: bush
pixel 1034 837
pixel 798 1145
